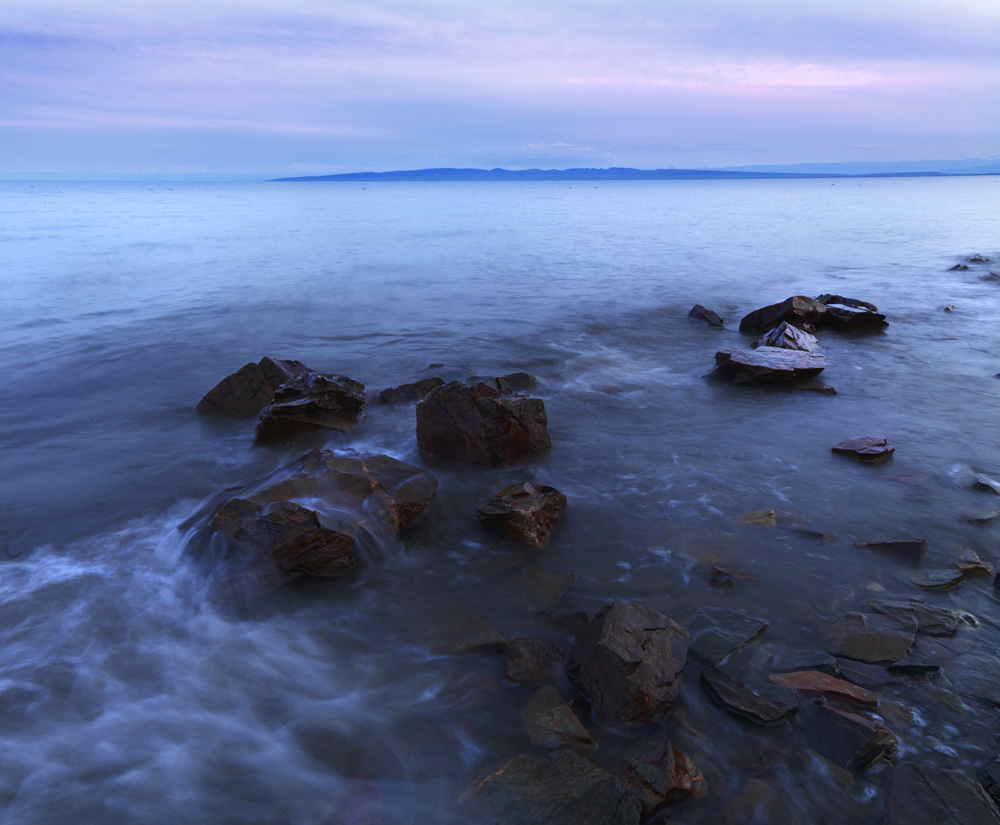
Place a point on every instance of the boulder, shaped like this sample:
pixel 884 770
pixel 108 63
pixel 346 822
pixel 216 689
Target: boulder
pixel 861 673
pixel 870 448
pixel 785 336
pixel 480 425
pixel 715 632
pixel 767 365
pixel 551 723
pixel 659 775
pixel 312 402
pixel 850 737
pixel 525 511
pixel 850 314
pixel 531 660
pixel 700 313
pixel 251 388
pixel 868 637
pixel 408 393
pixel 816 683
pixel 799 311
pixel 733 695
pixel 928 795
pixel 629 662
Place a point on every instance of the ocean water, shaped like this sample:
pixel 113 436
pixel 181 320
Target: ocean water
pixel 126 696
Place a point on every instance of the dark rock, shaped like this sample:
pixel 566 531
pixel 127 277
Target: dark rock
pixel 744 700
pixel 408 393
pixel 251 388
pixel 535 590
pixel 869 637
pixel 968 563
pixel 516 382
pixel 978 259
pixel 870 448
pixel 850 314
pixel 945 578
pixel 958 268
pixel 312 402
pixel 865 674
pixel 983 482
pixel 785 336
pixel 815 683
pixel 907 549
pixel 992 783
pixel 990 276
pixel 981 518
pixel 525 511
pixel 932 620
pixel 909 667
pixel 851 738
pixel 976 675
pixel 799 311
pixel 659 775
pixel 715 632
pixel 481 426
pixel 629 662
pixel 551 723
pixel 927 795
pixel 766 365
pixel 713 319
pixel 561 789
pixel 760 518
pixel 531 660
pixel 789 659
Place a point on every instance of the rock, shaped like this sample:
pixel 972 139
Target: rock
pixel 507 384
pixel 975 675
pixel 715 632
pixel 468 693
pixel 850 737
pixel 945 578
pixel 551 723
pixel 789 659
pixel 927 795
pixel 561 788
pixel 531 660
pixel 251 388
pixel 785 336
pixel 950 308
pixel 744 700
pixel 713 319
pixel 758 803
pixel 525 511
pixel 766 365
pixel 909 667
pixel 990 276
pixel 799 311
pixel 312 402
pixel 464 632
pixel 659 775
pixel 760 518
pixel 978 259
pixel 968 563
pixel 934 621
pixel 850 314
pixel 536 590
pixel 629 663
pixel 982 517
pixel 869 637
pixel 908 549
pixel 981 481
pixel 815 683
pixel 958 268
pixel 481 426
pixel 870 448
pixel 408 393
pixel 865 674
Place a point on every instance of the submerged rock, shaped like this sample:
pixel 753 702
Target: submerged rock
pixel 479 425
pixel 850 314
pixel 551 723
pixel 785 336
pixel 767 365
pixel 715 632
pixel 531 660
pixel 816 683
pixel 525 511
pixel 713 319
pixel 976 675
pixel 851 738
pixel 744 700
pixel 799 311
pixel 312 402
pixel 869 448
pixel 659 775
pixel 251 388
pixel 928 795
pixel 930 619
pixel 408 393
pixel 535 590
pixel 869 637
pixel 908 549
pixel 942 578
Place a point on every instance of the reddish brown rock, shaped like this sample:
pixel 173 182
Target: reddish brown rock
pixel 408 393
pixel 312 402
pixel 551 723
pixel 700 313
pixel 478 424
pixel 870 448
pixel 525 511
pixel 531 660
pixel 660 775
pixel 629 662
pixel 251 388
pixel 766 365
pixel 799 311
pixel 785 336
pixel 817 683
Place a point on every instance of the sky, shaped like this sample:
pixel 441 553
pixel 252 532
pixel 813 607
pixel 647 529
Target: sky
pixel 302 87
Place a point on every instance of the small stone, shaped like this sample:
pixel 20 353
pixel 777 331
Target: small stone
pixel 869 448
pixel 907 549
pixel 958 268
pixel 951 307
pixel 967 562
pixel 713 319
pixel 761 518
pixel 942 579
pixel 551 723
pixel 981 518
pixel 815 683
pixel 525 511
pixel 986 484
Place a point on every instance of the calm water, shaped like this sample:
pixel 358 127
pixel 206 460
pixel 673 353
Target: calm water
pixel 123 695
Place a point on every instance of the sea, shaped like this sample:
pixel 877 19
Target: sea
pixel 128 695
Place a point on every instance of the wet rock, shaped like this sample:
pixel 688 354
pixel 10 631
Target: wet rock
pixel 629 663
pixel 910 667
pixel 945 578
pixel 799 311
pixel 531 660
pixel 932 620
pixel 659 775
pixel 907 549
pixel 766 365
pixel 551 723
pixel 927 795
pixel 950 308
pixel 525 511
pixel 507 384
pixel 744 700
pixel 968 563
pixel 408 393
pixel 713 319
pixel 975 675
pixel 978 259
pixel 865 674
pixel 758 802
pixel 715 632
pixel 760 518
pixel 958 268
pixel 850 737
pixel 982 517
pixel 787 659
pixel 785 336
pixel 850 314
pixel 562 788
pixel 870 448
pixel 983 482
pixel 990 276
pixel 464 633
pixel 479 425
pixel 312 402
pixel 815 683
pixel 868 637
pixel 536 590
pixel 251 388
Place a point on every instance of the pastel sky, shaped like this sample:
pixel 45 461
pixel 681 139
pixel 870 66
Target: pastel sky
pixel 311 87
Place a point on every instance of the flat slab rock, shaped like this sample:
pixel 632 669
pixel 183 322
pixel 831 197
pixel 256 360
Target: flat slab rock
pixel 850 738
pixel 551 723
pixel 251 388
pixel 785 336
pixel 798 311
pixel 311 402
pixel 740 698
pixel 851 314
pixel 525 511
pixel 870 448
pixel 766 365
pixel 817 683
pixel 930 619
pixel 912 550
pixel 715 632
pixel 868 637
pixel 927 795
pixel 976 675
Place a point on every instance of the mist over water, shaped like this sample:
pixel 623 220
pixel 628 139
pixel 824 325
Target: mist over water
pixel 125 695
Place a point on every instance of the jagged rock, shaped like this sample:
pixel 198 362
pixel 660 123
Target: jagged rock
pixel 408 393
pixel 531 660
pixel 851 738
pixel 479 425
pixel 561 788
pixel 978 259
pixel 629 663
pixel 869 637
pixel 713 319
pixel 799 311
pixel 850 314
pixel 766 365
pixel 715 632
pixel 932 620
pixel 551 723
pixel 968 563
pixel 908 549
pixel 870 448
pixel 659 775
pixel 785 336
pixel 815 683
pixel 744 700
pixel 312 402
pixel 525 511
pixel 976 675
pixel 251 388
pixel 927 795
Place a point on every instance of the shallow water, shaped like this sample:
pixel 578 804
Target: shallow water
pixel 125 694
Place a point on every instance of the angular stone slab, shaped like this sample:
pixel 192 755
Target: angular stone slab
pixel 525 511
pixel 700 313
pixel 251 388
pixel 930 619
pixel 744 700
pixel 409 393
pixel 975 675
pixel 868 637
pixel 798 311
pixel 660 775
pixel 851 738
pixel 785 336
pixel 531 660
pixel 850 314
pixel 716 632
pixel 928 795
pixel 551 723
pixel 766 365
pixel 816 683
pixel 869 448
pixel 312 402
